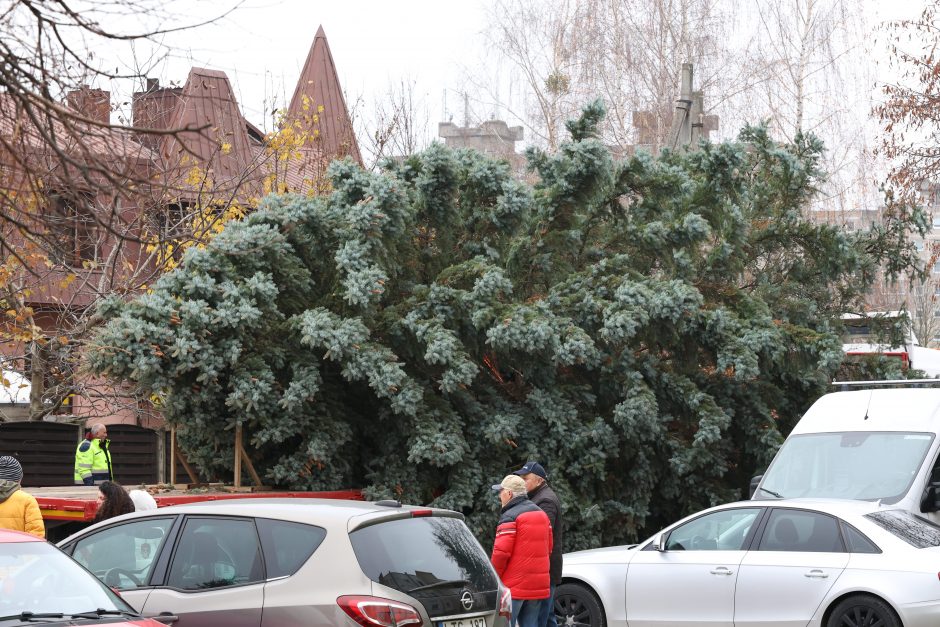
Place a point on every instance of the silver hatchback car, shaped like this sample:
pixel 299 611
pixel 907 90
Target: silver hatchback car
pixel 296 562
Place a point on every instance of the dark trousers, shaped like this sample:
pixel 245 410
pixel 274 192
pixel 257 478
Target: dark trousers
pixel 547 610
pixel 526 613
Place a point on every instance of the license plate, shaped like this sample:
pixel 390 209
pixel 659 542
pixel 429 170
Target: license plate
pixel 476 621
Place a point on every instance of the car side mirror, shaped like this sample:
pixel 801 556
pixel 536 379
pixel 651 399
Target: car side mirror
pixel 659 543
pixel 755 481
pixel 930 501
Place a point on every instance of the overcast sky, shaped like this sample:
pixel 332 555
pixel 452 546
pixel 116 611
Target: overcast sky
pixel 262 46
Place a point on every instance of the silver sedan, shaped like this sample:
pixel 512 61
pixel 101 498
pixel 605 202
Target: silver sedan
pixel 784 563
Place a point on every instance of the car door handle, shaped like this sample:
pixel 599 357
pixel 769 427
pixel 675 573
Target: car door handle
pixel 166 618
pixel 721 570
pixel 816 574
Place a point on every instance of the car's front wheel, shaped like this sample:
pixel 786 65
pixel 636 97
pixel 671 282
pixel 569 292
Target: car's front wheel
pixel 862 611
pixel 577 606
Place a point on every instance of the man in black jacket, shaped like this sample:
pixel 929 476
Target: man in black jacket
pixel 536 483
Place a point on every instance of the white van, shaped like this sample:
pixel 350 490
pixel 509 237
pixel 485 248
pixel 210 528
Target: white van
pixel 880 444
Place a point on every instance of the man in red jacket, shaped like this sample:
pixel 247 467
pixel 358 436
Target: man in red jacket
pixel 521 549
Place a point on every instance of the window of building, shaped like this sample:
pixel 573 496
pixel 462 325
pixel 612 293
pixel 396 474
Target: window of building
pixel 72 228
pixel 175 220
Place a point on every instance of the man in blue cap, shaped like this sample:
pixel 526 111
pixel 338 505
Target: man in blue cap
pixel 536 483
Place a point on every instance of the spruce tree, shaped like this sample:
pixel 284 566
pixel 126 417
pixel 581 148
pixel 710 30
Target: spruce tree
pixel 647 328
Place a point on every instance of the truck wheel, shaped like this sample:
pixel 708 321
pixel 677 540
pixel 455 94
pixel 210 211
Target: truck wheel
pixel 577 606
pixel 862 611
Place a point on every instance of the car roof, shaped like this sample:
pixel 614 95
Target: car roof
pixel 874 410
pixel 338 509
pixel 348 514
pixel 8 535
pixel 844 508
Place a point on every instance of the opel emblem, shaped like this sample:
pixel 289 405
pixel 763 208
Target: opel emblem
pixel 466 600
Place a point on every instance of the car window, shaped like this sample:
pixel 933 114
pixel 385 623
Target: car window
pixel 414 552
pixel 725 530
pixel 122 556
pixel 856 541
pixel 912 529
pixel 287 545
pixel 799 530
pixel 215 553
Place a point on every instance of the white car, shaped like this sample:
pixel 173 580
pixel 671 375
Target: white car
pixel 778 563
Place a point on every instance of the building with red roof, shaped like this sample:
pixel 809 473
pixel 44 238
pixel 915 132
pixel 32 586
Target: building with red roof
pixel 84 200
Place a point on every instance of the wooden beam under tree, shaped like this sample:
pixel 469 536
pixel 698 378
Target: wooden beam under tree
pixel 238 456
pixel 251 468
pixel 175 452
pixel 173 455
pixel 194 480
pixel 242 456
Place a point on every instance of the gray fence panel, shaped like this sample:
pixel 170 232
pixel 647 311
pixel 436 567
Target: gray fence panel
pixel 46 450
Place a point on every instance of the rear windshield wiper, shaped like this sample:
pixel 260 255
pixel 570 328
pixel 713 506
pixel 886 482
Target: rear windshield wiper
pixel 441 584
pixel 28 616
pixel 102 612
pixel 771 492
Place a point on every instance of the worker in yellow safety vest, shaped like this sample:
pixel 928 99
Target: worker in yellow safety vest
pixel 92 457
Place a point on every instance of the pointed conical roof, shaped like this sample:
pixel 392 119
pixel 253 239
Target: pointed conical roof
pixel 319 107
pixel 221 146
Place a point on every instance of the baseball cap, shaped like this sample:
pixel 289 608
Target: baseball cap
pixel 510 482
pixel 532 467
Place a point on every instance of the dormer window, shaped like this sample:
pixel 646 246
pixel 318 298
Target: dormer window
pixel 72 228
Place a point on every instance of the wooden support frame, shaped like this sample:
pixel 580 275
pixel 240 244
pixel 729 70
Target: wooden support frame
pixel 242 457
pixel 175 453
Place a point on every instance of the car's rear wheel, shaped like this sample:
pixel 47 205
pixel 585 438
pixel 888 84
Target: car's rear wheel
pixel 862 611
pixel 577 606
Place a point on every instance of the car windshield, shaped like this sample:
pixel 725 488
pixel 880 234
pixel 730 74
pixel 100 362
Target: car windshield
pixel 867 466
pixel 423 553
pixel 39 578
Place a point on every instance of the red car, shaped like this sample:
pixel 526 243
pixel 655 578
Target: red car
pixel 41 585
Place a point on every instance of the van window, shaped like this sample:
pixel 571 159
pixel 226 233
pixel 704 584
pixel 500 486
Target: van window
pixel 840 465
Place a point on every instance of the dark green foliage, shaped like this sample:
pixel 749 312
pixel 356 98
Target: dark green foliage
pixel 647 328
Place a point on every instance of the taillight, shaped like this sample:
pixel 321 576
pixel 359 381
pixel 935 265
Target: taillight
pixel 372 611
pixel 505 604
pixel 421 513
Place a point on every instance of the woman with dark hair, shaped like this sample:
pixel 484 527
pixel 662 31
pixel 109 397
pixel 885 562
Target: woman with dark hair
pixel 113 500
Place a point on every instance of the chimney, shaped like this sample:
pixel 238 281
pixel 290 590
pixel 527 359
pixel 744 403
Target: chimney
pixel 153 108
pixel 91 103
